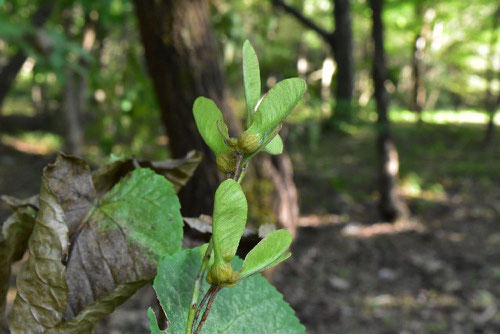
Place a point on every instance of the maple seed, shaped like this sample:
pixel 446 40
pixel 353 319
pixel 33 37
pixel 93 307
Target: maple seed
pixel 222 274
pixel 248 142
pixel 226 162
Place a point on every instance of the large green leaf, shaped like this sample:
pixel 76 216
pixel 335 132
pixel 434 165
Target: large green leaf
pixel 206 114
pixel 115 243
pixel 252 306
pixel 267 251
pixel 275 146
pixel 229 219
pixel 275 107
pixel 251 80
pixel 14 235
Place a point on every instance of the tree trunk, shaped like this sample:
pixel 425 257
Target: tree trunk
pixel 418 89
pixel 340 43
pixel 492 99
pixel 183 62
pixel 418 84
pixel 391 206
pixel 342 50
pixel 76 87
pixel 286 205
pixel 74 93
pixel 8 72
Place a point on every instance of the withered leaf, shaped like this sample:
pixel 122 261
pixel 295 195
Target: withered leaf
pixel 14 235
pixel 41 286
pixel 177 171
pixel 91 250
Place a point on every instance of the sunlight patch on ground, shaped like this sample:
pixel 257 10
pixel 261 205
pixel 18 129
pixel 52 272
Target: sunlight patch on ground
pixel 444 117
pixel 425 298
pixel 33 142
pixel 412 186
pixel 358 230
pixel 319 220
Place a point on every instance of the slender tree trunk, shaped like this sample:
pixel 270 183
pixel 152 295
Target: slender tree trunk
pixel 340 43
pixel 418 70
pixel 391 206
pixel 286 207
pixel 418 89
pixel 492 99
pixel 75 89
pixel 74 101
pixel 183 62
pixel 9 71
pixel 342 50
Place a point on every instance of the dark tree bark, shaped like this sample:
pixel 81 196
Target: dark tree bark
pixel 391 206
pixel 340 43
pixel 183 62
pixel 492 99
pixel 8 72
pixel 344 59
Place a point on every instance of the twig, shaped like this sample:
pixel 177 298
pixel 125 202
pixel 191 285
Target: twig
pixel 202 303
pixel 197 287
pixel 304 20
pixel 239 160
pixel 207 310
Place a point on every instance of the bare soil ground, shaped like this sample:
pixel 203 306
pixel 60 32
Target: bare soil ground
pixel 439 275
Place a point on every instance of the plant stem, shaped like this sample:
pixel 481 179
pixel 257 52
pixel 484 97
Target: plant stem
pixel 194 308
pixel 203 301
pixel 239 160
pixel 197 287
pixel 207 310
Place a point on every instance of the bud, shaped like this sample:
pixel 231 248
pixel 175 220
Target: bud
pixel 232 143
pixel 222 274
pixel 226 162
pixel 248 142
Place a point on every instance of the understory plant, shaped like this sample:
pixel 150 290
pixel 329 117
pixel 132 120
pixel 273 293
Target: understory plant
pixel 94 238
pixel 242 307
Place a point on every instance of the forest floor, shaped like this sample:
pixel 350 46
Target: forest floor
pixel 440 274
pixel 350 272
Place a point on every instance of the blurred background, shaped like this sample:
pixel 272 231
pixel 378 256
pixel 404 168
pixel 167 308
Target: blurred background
pixel 391 177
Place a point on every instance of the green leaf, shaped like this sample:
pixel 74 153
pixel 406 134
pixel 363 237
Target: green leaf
pixel 229 219
pixel 275 146
pixel 251 79
pixel 275 107
pixel 222 127
pixel 267 251
pixel 14 235
pixel 153 323
pixel 206 114
pixel 278 260
pixel 116 242
pixel 252 306
pixel 203 250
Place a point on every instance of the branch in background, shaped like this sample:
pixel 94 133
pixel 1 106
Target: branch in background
pixel 329 37
pixel 8 73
